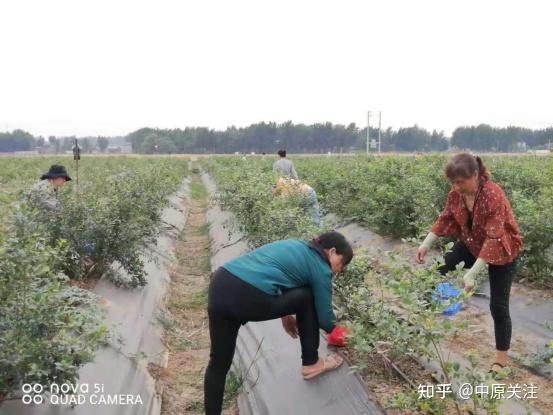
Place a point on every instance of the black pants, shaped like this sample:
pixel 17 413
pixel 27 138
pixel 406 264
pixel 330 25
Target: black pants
pixel 233 302
pixel 501 279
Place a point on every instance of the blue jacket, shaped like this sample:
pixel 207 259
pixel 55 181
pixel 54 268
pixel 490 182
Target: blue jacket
pixel 286 264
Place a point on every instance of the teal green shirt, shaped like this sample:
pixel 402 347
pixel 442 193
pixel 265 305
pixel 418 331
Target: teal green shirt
pixel 286 264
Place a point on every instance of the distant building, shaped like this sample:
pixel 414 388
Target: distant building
pixel 46 150
pixel 26 153
pixel 521 146
pixel 120 149
pixel 120 142
pixel 113 149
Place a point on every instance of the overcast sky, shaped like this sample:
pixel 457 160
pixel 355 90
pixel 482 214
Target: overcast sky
pixel 110 67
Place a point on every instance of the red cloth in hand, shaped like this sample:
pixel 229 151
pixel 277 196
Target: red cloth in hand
pixel 337 336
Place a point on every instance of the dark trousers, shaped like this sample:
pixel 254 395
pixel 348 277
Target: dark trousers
pixel 233 302
pixel 501 279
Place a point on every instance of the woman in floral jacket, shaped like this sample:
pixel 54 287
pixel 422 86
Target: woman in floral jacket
pixel 478 213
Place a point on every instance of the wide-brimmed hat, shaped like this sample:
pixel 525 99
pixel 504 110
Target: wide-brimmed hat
pixel 54 172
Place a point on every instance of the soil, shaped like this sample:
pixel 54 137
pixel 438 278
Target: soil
pixel 384 382
pixel 478 338
pixel 186 332
pixel 86 284
pixel 540 290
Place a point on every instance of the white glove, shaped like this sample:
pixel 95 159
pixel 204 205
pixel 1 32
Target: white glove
pixel 425 246
pixel 468 278
pixel 429 240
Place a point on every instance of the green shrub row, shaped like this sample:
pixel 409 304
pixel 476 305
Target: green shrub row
pixel 401 196
pixel 48 327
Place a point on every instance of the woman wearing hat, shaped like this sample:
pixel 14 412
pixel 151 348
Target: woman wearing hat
pixel 45 196
pixel 46 192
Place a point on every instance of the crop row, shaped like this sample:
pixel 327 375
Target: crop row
pixel 386 304
pixel 49 328
pixel 401 196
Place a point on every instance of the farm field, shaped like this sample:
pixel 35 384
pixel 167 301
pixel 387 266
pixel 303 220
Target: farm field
pixel 387 203
pixel 400 198
pixel 51 322
pixel 18 174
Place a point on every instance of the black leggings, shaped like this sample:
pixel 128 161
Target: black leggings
pixel 501 278
pixel 233 302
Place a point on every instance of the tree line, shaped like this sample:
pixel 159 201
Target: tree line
pixel 19 140
pixel 323 137
pixel 295 138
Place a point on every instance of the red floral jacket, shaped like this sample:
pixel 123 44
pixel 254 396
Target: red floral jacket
pixel 494 235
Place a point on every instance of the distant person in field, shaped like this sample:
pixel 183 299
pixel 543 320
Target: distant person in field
pixel 478 213
pixel 288 279
pixel 290 187
pixel 45 193
pixel 284 167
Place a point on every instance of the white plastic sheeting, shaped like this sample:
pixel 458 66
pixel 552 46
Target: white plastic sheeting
pixel 121 367
pixel 270 359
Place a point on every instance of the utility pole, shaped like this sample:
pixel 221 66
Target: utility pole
pixel 368 128
pixel 379 125
pixel 77 157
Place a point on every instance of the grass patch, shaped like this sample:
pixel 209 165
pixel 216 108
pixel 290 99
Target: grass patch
pixel 194 300
pixel 180 343
pixel 204 229
pixel 198 299
pixel 232 388
pixel 206 263
pixel 196 406
pixel 166 320
pixel 197 190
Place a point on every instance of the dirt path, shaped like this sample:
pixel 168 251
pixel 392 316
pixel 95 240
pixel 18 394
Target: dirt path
pixel 186 326
pixel 479 340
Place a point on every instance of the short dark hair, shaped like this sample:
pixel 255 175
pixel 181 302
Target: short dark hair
pixel 336 240
pixel 282 153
